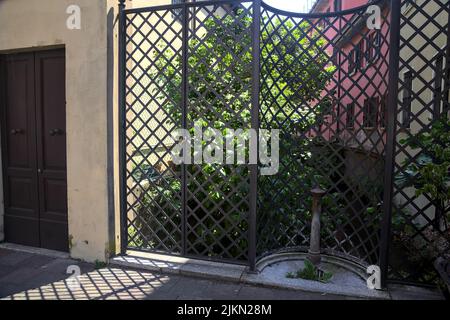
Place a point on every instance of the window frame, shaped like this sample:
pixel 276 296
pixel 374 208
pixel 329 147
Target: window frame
pixel 384 111
pixel 350 116
pixel 352 62
pixel 438 85
pixel 407 98
pixel 361 54
pixel 370 113
pixel 178 11
pixel 373 47
pixel 337 5
pixel 377 45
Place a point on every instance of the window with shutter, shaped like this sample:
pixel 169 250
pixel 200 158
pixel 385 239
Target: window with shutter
pixel 370 112
pixel 337 5
pixel 352 62
pixel 438 86
pixel 350 121
pixel 361 48
pixel 407 99
pixel 383 111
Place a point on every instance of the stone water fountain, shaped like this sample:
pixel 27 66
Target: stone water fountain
pixel 348 277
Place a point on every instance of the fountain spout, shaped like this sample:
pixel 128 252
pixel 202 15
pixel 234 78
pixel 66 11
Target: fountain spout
pixel 314 249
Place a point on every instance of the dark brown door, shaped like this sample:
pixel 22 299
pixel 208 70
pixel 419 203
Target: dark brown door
pixel 34 149
pixel 20 183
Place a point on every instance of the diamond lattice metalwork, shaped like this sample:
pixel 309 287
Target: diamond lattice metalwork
pixel 175 80
pixel 307 86
pixel 218 96
pixel 323 80
pixel 153 182
pixel 420 229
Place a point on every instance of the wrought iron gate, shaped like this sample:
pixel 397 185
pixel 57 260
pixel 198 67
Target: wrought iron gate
pixel 419 225
pixel 331 132
pixel 328 81
pixel 173 79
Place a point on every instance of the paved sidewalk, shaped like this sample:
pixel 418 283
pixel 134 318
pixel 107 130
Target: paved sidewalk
pixel 26 275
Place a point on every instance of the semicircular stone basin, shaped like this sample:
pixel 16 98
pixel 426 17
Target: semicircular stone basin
pixel 349 278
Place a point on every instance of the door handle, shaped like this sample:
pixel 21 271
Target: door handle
pixel 16 131
pixel 55 132
pixel 39 171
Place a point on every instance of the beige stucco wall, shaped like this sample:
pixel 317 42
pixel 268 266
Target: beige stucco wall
pixel 90 95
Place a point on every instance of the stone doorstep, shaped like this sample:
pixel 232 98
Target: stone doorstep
pixel 232 273
pixel 181 266
pixel 32 250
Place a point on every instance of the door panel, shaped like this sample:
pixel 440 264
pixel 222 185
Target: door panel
pixel 51 141
pixel 19 150
pixel 34 148
pixel 51 110
pixel 21 194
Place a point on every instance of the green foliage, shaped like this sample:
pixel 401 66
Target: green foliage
pixel 430 173
pixel 158 207
pixel 310 272
pixel 219 95
pixel 295 72
pixel 218 65
pixel 100 264
pixel 134 238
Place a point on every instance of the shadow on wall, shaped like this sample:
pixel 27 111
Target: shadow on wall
pixel 112 27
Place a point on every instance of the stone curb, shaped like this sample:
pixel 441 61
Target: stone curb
pixel 230 273
pixel 238 274
pixel 32 250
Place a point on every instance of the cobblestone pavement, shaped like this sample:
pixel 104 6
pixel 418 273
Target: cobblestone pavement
pixel 32 276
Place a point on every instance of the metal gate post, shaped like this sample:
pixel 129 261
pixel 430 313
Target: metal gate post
pixel 447 66
pixel 184 100
pixel 122 129
pixel 394 61
pixel 256 24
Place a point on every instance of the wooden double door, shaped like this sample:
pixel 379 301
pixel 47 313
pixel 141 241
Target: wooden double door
pixel 33 131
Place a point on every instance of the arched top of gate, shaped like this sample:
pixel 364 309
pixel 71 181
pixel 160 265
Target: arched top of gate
pixel 322 14
pixel 264 5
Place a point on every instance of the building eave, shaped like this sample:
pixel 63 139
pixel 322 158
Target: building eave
pixel 354 27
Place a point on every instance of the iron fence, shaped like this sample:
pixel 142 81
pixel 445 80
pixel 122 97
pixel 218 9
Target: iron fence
pixel 308 98
pixel 419 226
pixel 339 93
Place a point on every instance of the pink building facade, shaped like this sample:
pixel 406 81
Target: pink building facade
pixel 359 85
